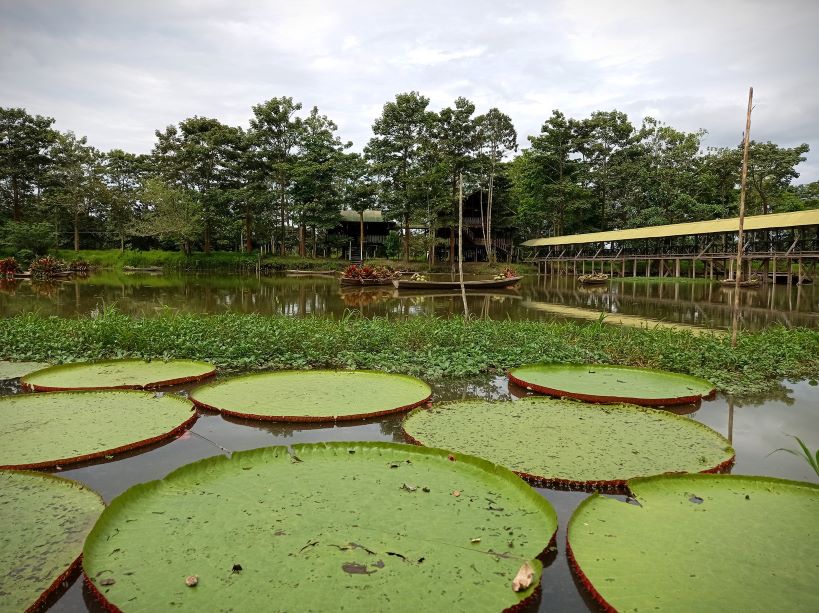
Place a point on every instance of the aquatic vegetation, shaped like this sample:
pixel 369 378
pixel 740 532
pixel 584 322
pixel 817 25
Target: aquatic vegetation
pixel 421 346
pixel 700 542
pixel 562 443
pixel 45 521
pixel 604 383
pixel 811 458
pixel 316 395
pixel 328 526
pixel 58 428
pixel 117 374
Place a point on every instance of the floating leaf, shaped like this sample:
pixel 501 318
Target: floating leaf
pixel 354 540
pixel 567 443
pixel 45 520
pixel 752 545
pixel 15 370
pixel 604 383
pixel 313 395
pixel 58 428
pixel 524 577
pixel 117 374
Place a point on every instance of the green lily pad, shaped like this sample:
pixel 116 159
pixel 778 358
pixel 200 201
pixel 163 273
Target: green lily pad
pixel 334 526
pixel 45 521
pixel 15 370
pixel 562 443
pixel 313 395
pixel 701 543
pixel 117 374
pixel 604 383
pixel 55 428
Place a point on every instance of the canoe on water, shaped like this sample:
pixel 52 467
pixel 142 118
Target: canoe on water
pixel 482 284
pixel 753 282
pixel 593 279
pixel 360 282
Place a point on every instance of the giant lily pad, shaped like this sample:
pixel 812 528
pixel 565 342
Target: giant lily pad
pixel 701 543
pixel 332 527
pixel 604 383
pixel 313 395
pixel 566 444
pixel 117 374
pixel 15 370
pixel 45 520
pixel 42 430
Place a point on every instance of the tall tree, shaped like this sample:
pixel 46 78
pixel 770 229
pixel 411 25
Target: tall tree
pixel 123 174
pixel 24 159
pixel 771 169
pixel 358 190
pixel 172 214
pixel 395 152
pixel 275 131
pixel 497 137
pixel 76 180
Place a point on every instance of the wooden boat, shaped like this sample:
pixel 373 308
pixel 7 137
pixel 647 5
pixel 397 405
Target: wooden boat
pixel 310 273
pixel 593 279
pixel 752 282
pixel 482 284
pixel 365 282
pixel 142 268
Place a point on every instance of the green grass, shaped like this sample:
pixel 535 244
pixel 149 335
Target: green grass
pixel 424 346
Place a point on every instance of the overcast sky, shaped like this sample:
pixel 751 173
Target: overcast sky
pixel 116 70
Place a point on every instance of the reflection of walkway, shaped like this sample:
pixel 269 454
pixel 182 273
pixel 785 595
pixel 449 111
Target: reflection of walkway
pixel 631 321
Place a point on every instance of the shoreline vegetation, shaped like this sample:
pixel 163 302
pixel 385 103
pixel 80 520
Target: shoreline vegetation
pixel 423 346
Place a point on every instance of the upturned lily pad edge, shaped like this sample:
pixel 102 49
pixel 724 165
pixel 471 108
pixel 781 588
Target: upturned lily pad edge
pixel 605 399
pixel 612 486
pixel 74 568
pixel 311 418
pixel 34 387
pixel 136 491
pixel 633 486
pixel 185 425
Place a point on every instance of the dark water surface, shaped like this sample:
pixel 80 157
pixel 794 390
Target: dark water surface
pixel 756 427
pixel 699 303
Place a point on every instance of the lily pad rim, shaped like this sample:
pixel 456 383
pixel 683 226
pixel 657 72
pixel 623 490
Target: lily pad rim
pixel 633 487
pixel 137 490
pixel 185 425
pixel 613 486
pixel 146 386
pixel 596 398
pixel 74 568
pixel 309 418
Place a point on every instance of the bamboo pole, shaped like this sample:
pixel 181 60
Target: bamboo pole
pixel 461 241
pixel 742 188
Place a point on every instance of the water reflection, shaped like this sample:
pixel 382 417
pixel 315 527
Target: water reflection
pixel 698 304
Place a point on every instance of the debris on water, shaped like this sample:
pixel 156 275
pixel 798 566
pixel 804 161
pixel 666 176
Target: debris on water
pixel 356 569
pixel 108 581
pixel 524 577
pixel 747 497
pixel 408 487
pixel 456 493
pixel 451 458
pixel 425 489
pixel 191 581
pixel 475 540
pixel 695 499
pixel 237 568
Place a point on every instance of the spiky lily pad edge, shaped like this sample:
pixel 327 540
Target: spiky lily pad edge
pixel 185 425
pixel 649 402
pixel 317 418
pixel 520 607
pixel 33 387
pixel 581 576
pixel 614 486
pixel 74 568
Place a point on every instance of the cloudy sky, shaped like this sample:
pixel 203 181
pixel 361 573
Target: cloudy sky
pixel 116 70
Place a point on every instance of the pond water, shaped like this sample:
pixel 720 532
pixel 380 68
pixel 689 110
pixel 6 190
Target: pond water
pixel 682 302
pixel 756 426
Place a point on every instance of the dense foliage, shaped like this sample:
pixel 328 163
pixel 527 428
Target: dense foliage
pixel 281 181
pixel 422 346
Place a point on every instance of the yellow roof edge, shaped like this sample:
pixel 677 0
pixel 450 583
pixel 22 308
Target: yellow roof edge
pixel 754 222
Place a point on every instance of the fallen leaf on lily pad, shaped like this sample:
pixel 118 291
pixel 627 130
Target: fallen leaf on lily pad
pixel 191 581
pixel 524 578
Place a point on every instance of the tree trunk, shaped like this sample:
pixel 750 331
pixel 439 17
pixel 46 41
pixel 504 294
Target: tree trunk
pixel 121 243
pixel 361 234
pixel 15 199
pixel 207 245
pixel 461 242
pixel 452 247
pixel 248 231
pixel 432 233
pixel 302 248
pixel 406 237
pixel 490 253
pixel 76 231
pixel 281 219
pixel 315 240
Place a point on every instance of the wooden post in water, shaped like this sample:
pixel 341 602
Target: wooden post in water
pixel 461 241
pixel 742 187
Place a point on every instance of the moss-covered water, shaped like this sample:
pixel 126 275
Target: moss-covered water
pixel 756 426
pixel 684 302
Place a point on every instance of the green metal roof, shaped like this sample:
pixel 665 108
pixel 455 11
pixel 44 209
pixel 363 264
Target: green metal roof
pixel 716 226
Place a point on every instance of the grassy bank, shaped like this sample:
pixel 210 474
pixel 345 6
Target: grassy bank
pixel 424 346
